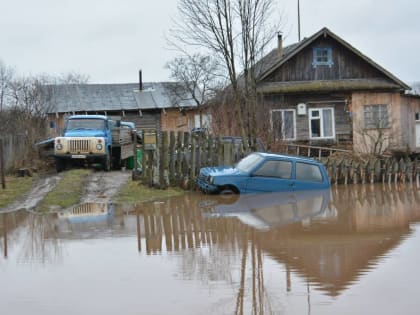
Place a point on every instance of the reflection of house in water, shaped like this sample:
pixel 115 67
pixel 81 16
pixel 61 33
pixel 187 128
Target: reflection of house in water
pixel 367 222
pixel 370 223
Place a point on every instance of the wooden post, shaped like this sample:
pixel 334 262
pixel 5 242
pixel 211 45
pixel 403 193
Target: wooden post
pixel 180 141
pixel 134 170
pixel 164 167
pixel 172 158
pixel 193 161
pixel 3 177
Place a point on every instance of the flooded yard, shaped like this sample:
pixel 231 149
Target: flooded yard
pixel 349 250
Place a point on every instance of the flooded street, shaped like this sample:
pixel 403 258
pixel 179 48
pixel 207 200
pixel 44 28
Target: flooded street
pixel 348 250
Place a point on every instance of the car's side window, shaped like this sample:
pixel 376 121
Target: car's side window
pixel 279 169
pixel 308 172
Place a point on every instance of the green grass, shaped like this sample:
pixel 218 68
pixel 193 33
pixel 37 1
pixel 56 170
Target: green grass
pixel 134 192
pixel 16 188
pixel 67 192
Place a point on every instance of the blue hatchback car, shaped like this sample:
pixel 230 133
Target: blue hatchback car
pixel 264 172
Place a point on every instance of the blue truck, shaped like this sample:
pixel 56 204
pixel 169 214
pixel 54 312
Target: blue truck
pixel 94 139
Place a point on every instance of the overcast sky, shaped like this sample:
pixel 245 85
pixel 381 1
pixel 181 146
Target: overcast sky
pixel 110 40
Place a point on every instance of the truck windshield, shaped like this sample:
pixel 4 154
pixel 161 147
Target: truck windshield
pixel 97 124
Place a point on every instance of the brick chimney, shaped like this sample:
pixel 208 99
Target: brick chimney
pixel 280 44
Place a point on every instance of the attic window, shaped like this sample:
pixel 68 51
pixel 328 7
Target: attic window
pixel 322 57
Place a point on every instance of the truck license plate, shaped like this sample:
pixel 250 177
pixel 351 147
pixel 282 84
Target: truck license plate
pixel 78 156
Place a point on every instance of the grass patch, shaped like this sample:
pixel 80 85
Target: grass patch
pixel 67 192
pixel 16 188
pixel 134 192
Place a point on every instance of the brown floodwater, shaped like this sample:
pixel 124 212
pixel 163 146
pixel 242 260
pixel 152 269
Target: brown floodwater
pixel 351 250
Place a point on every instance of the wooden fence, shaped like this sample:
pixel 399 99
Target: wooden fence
pixel 176 160
pixel 14 149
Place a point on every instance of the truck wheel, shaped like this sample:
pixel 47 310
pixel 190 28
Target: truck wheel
pixel 60 165
pixel 107 162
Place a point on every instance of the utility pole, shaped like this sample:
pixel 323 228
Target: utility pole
pixel 298 20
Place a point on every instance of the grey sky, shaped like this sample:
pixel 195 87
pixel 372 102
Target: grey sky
pixel 109 40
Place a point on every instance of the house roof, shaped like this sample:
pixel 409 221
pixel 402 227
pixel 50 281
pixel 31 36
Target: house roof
pixel 271 62
pixel 114 97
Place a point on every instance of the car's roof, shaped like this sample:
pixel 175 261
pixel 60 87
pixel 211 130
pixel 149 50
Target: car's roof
pixel 285 156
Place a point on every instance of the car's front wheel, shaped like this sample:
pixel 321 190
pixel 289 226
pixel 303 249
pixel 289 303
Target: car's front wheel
pixel 228 190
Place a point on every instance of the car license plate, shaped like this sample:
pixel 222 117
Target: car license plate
pixel 78 156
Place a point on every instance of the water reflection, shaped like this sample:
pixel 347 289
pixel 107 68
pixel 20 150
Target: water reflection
pixel 326 238
pixel 266 211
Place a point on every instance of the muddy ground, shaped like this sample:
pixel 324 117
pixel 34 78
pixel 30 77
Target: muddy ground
pixel 100 187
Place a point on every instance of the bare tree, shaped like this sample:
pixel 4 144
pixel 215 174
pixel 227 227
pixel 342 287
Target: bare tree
pixel 197 79
pixel 6 76
pixel 236 33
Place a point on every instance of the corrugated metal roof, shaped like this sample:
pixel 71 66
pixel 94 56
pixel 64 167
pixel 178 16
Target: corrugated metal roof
pixel 110 97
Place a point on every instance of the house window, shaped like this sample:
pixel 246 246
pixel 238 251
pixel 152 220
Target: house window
pixel 283 122
pixel 321 123
pixel 322 57
pixel 376 116
pixel 417 117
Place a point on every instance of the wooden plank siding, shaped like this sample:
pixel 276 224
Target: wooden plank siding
pixel 347 65
pixel 343 126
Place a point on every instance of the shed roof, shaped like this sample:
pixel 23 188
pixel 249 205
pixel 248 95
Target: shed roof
pixel 113 97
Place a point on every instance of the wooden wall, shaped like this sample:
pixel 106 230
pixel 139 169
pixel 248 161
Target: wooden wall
pixel 347 65
pixel 175 120
pixel 343 125
pixel 395 137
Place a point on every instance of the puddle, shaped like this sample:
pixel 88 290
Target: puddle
pixel 324 252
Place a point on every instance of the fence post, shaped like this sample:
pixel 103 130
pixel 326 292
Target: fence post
pixel 3 179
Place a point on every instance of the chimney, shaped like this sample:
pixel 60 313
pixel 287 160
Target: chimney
pixel 280 44
pixel 140 81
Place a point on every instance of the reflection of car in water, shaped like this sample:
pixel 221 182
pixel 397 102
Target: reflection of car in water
pixel 88 212
pixel 264 211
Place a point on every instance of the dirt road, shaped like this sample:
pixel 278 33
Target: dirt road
pixel 100 187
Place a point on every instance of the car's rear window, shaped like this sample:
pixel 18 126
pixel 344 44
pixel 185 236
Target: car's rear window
pixel 308 172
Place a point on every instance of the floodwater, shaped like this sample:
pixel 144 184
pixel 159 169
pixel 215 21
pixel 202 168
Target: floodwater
pixel 351 250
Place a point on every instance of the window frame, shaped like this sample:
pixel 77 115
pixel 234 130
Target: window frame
pixel 371 124
pixel 321 109
pixel 317 53
pixel 282 121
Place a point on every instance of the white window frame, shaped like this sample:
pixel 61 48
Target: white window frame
pixel 282 116
pixel 380 110
pixel 321 109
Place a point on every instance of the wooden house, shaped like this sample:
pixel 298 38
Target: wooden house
pixel 323 91
pixel 151 106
